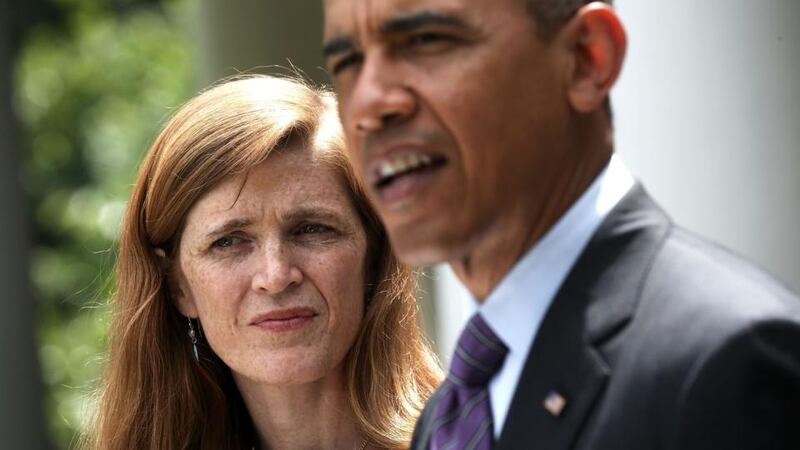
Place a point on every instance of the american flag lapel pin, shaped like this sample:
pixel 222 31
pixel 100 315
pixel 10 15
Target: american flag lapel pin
pixel 554 403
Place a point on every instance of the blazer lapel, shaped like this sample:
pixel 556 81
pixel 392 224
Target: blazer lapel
pixel 565 373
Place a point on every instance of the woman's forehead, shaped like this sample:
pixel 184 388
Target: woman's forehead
pixel 282 185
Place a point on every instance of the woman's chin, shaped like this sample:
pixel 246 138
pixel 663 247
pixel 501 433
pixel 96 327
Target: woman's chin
pixel 287 370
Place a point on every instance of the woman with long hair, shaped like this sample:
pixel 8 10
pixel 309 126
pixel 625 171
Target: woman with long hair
pixel 258 303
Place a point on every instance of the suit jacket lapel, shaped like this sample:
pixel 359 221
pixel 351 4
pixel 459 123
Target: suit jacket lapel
pixel 595 302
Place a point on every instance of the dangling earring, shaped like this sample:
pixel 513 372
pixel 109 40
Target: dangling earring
pixel 193 338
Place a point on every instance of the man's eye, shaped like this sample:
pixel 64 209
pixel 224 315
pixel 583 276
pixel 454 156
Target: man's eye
pixel 345 62
pixel 424 38
pixel 427 38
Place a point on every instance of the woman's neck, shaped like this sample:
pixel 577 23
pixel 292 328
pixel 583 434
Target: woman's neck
pixel 312 415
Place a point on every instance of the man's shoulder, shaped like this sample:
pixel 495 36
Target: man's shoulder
pixel 731 332
pixel 699 299
pixel 693 276
pixel 672 284
pixel 713 340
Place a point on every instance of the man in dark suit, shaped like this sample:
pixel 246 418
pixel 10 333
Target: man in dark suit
pixel 484 135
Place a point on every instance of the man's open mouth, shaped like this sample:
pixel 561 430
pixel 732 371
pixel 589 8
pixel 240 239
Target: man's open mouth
pixel 393 169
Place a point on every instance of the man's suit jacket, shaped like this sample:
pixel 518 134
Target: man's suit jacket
pixel 658 340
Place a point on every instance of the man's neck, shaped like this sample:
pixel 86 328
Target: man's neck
pixel 507 239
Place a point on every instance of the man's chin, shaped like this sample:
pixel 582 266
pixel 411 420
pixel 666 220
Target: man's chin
pixel 414 251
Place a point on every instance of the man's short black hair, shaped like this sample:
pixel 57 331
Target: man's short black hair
pixel 550 15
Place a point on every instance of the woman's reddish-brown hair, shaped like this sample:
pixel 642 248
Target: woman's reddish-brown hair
pixel 153 394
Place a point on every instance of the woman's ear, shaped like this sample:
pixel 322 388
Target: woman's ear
pixel 183 301
pixel 597 41
pixel 176 284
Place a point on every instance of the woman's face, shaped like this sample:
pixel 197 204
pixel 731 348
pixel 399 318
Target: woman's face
pixel 272 264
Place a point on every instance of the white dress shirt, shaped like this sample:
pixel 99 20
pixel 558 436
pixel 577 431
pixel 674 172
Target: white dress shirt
pixel 517 305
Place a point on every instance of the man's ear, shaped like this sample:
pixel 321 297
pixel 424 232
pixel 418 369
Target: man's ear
pixel 597 40
pixel 176 285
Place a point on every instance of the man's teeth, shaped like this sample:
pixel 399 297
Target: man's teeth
pixel 404 163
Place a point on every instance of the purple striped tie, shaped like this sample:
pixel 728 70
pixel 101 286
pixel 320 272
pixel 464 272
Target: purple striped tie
pixel 463 416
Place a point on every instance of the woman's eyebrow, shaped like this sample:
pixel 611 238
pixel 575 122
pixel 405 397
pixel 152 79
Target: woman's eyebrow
pixel 229 225
pixel 313 212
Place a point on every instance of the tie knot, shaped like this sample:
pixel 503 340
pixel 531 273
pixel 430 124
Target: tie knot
pixel 479 354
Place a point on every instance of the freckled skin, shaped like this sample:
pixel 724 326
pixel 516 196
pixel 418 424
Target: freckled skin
pixel 296 241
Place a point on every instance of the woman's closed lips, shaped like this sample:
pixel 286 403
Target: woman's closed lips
pixel 284 319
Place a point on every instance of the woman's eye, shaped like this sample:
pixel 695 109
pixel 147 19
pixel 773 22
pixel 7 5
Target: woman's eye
pixel 226 241
pixel 314 228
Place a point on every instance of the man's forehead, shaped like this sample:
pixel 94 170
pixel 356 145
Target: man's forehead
pixel 350 17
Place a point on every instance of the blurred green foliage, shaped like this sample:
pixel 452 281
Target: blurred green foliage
pixel 92 89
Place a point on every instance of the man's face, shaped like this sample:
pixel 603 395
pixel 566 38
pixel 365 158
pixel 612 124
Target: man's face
pixel 452 111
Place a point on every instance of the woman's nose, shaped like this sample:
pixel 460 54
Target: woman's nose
pixel 276 272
